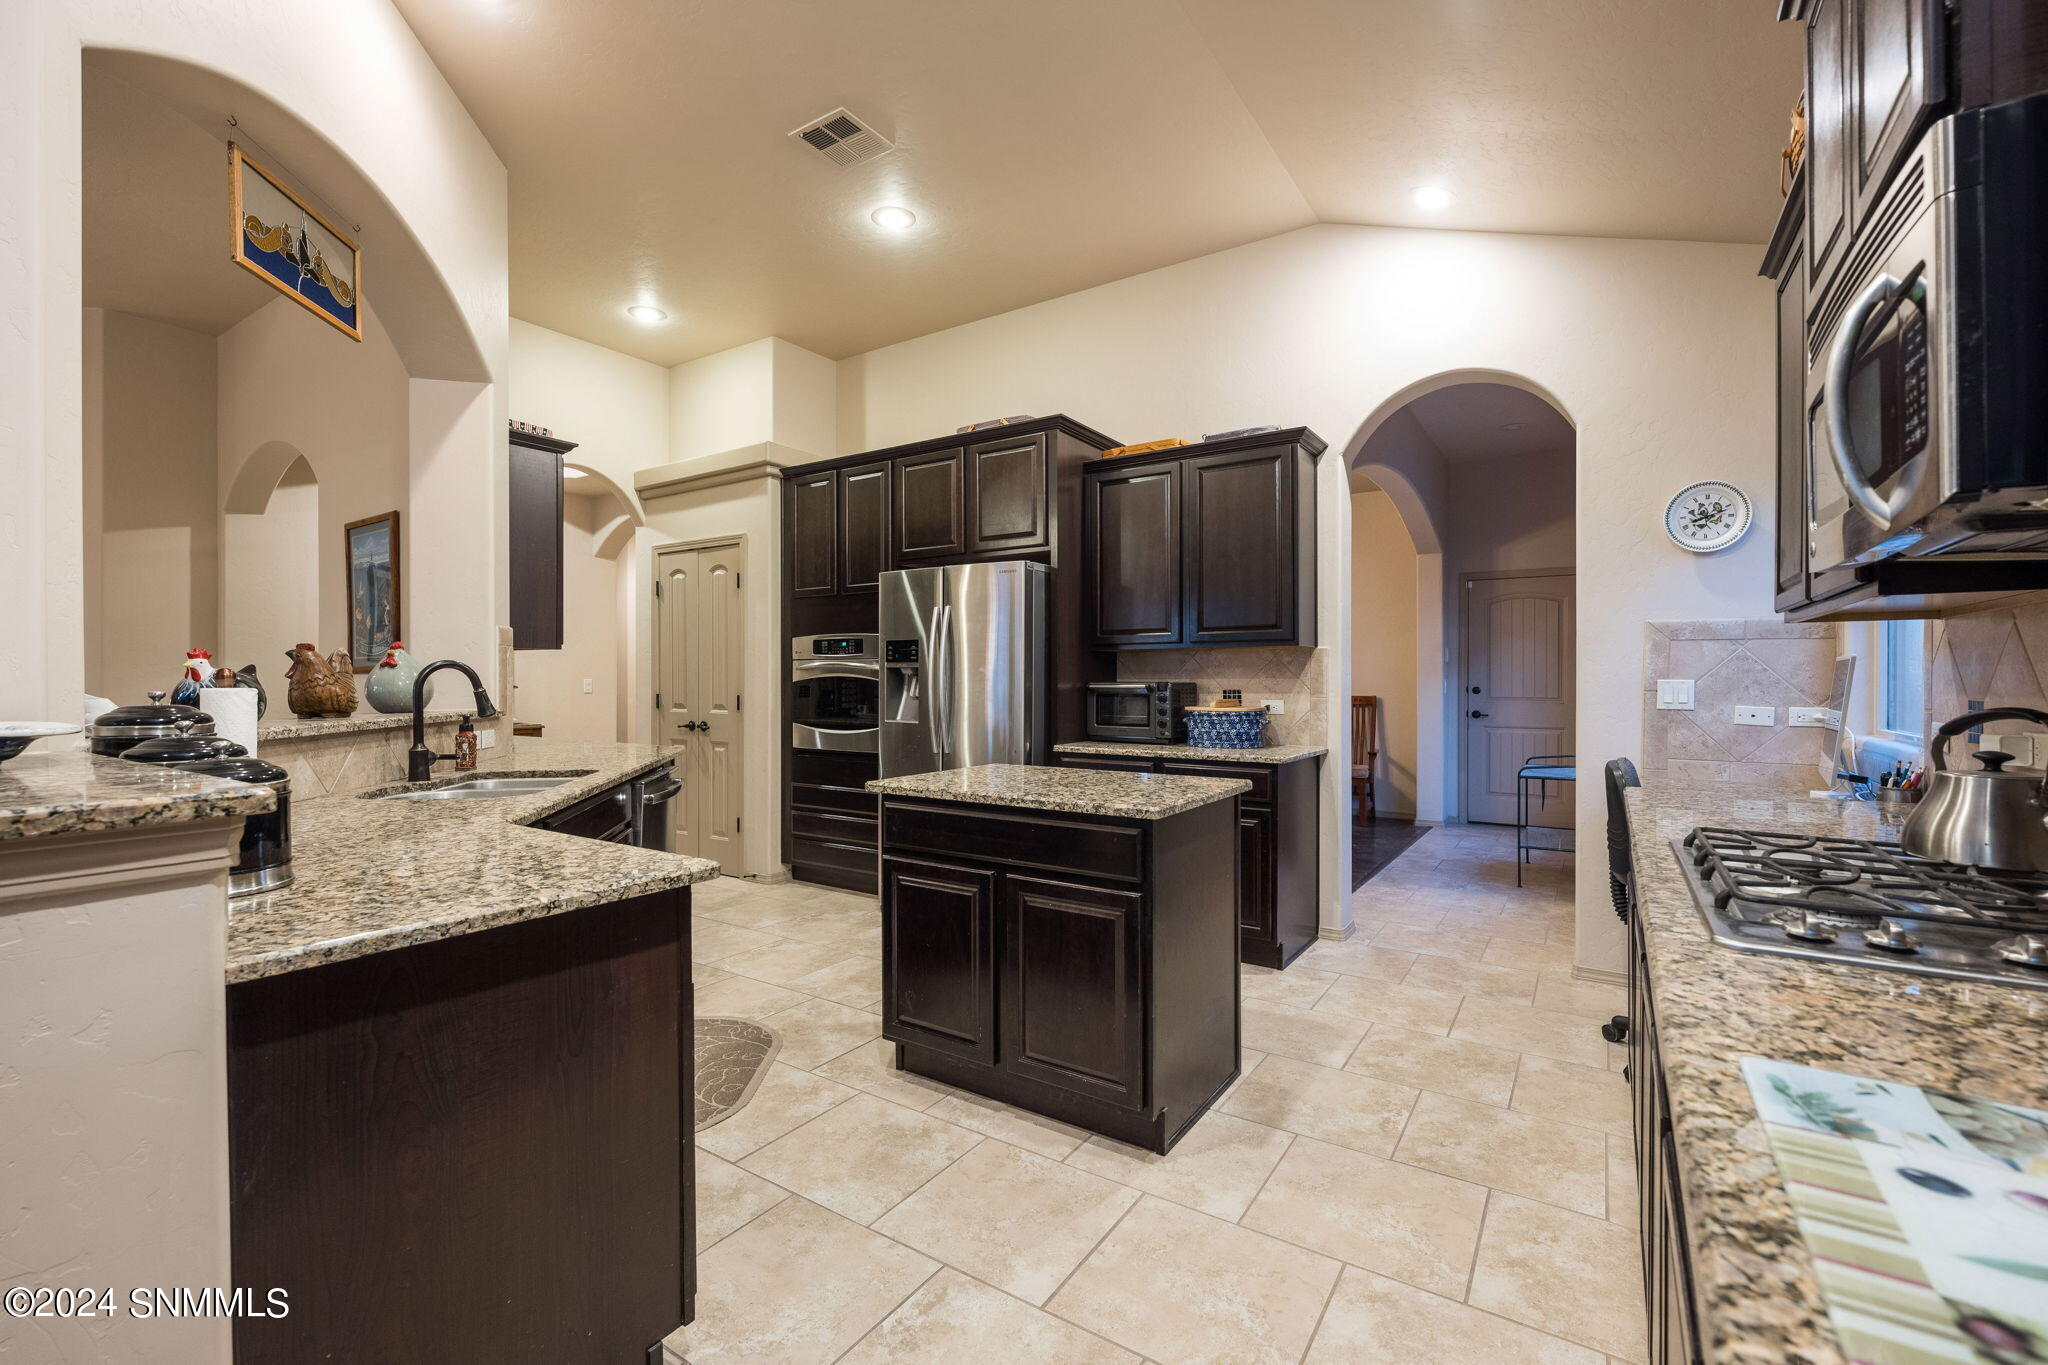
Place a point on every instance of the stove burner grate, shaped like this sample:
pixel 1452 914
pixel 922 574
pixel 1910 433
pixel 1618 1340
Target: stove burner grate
pixel 1857 882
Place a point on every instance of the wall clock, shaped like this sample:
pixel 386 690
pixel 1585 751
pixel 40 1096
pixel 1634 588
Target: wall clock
pixel 1709 515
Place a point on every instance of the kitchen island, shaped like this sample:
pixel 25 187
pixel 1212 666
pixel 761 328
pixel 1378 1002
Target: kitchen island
pixel 1065 940
pixel 1752 1282
pixel 459 1078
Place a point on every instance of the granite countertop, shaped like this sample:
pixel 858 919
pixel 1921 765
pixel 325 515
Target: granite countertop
pixel 1271 753
pixel 1079 791
pixel 70 791
pixel 370 875
pixel 289 726
pixel 1753 1273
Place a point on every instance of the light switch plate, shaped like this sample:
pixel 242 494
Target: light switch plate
pixel 586 684
pixel 1812 717
pixel 1674 694
pixel 486 738
pixel 2020 746
pixel 1756 715
pixel 1274 706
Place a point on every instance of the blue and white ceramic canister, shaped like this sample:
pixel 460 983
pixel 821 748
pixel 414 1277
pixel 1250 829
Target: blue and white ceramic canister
pixel 1241 728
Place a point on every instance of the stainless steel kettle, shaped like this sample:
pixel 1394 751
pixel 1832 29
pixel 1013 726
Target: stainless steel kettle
pixel 1992 817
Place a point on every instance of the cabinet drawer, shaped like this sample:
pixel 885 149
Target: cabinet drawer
pixel 839 829
pixel 1054 843
pixel 1261 778
pixel 1119 765
pixel 828 796
pixel 805 852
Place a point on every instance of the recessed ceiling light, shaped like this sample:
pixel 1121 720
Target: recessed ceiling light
pixel 571 472
pixel 1432 197
pixel 893 218
pixel 646 312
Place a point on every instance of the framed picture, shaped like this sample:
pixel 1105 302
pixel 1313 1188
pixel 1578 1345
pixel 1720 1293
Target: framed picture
pixel 280 239
pixel 372 559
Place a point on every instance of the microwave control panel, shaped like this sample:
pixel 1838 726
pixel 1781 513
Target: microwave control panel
pixel 1913 381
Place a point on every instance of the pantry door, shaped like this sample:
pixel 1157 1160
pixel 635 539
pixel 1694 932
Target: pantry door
pixel 700 642
pixel 1517 693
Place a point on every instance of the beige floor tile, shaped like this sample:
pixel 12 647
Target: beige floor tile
pixel 1563 1273
pixel 816 1031
pixel 1469 921
pixel 861 1158
pixel 1558 991
pixel 832 926
pixel 1617 1056
pixel 1343 1107
pixel 1466 946
pixel 1307 1035
pixel 716 941
pixel 1298 986
pixel 785 961
pixel 1355 957
pixel 1372 1318
pixel 1589 1095
pixel 704 974
pixel 728 1198
pixel 1018 1127
pixel 750 909
pixel 1217 1167
pixel 742 997
pixel 857 981
pixel 1560 1037
pixel 1387 1002
pixel 1178 1286
pixel 1621 1181
pixel 1453 977
pixel 1415 913
pixel 1416 1225
pixel 1010 1218
pixel 787 1097
pixel 872 1067
pixel 1559 1163
pixel 1527 924
pixel 1429 1061
pixel 954 1319
pixel 1507 952
pixel 797 1286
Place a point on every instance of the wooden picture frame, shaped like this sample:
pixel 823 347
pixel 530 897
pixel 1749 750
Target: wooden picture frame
pixel 301 255
pixel 373 596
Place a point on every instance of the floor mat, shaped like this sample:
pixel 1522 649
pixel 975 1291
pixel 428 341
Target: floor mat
pixel 732 1057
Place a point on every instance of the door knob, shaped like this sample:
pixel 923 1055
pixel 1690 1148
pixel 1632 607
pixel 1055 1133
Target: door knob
pixel 1479 715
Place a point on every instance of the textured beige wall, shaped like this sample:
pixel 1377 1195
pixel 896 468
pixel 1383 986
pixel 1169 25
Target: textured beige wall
pixel 1383 664
pixel 1736 663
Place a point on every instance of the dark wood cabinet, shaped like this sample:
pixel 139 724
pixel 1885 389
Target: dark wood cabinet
pixel 533 496
pixel 1110 1000
pixel 1827 135
pixel 1787 264
pixel 1668 1290
pixel 812 534
pixel 1279 877
pixel 829 833
pixel 1215 546
pixel 931 507
pixel 477 1148
pixel 1894 76
pixel 863 538
pixel 1009 502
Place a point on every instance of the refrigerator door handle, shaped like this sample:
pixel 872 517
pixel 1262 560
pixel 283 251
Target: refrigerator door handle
pixel 940 686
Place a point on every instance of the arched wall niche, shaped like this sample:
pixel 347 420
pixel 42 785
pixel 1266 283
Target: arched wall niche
pixel 270 571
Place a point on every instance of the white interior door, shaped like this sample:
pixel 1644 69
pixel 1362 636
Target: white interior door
pixel 1518 691
pixel 700 644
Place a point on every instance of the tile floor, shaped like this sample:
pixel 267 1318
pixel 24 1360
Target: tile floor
pixel 1426 1160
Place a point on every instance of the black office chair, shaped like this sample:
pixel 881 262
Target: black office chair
pixel 1621 876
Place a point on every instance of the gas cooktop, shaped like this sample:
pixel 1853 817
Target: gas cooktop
pixel 1869 904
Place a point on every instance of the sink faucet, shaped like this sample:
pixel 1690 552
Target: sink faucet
pixel 419 759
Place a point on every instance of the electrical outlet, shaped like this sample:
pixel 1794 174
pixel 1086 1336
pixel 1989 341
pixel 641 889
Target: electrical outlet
pixel 1674 694
pixel 486 738
pixel 586 684
pixel 1756 715
pixel 1810 717
pixel 1274 706
pixel 2020 746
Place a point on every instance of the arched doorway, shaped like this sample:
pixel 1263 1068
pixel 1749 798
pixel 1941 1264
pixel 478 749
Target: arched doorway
pixel 587 689
pixel 270 559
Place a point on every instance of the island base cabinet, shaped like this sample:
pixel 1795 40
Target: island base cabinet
pixel 1107 1000
pixel 472 1149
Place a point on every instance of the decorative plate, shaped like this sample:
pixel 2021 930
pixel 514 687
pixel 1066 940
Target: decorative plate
pixel 1705 516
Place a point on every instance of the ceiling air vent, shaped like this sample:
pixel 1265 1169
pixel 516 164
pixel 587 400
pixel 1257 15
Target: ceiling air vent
pixel 843 138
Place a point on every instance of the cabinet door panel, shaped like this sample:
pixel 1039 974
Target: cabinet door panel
pixel 534 525
pixel 1238 525
pixel 938 957
pixel 1827 138
pixel 1894 78
pixel 1793 516
pixel 931 511
pixel 1133 556
pixel 1121 765
pixel 1255 873
pixel 863 527
pixel 1073 985
pixel 1007 492
pixel 813 535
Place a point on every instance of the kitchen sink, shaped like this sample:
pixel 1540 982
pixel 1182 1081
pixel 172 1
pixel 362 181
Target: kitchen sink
pixel 482 787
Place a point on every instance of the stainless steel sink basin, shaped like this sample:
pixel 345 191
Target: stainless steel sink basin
pixel 481 787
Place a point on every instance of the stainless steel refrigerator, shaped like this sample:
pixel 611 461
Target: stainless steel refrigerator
pixel 963 667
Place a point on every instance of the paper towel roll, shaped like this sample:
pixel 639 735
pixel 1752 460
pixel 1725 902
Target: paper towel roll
pixel 234 713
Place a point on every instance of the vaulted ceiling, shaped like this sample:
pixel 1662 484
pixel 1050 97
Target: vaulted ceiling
pixel 1051 146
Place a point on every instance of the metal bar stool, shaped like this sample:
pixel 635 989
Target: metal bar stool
pixel 1542 769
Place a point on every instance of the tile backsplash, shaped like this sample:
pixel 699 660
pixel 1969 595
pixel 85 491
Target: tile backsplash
pixel 1997 657
pixel 1289 674
pixel 1736 663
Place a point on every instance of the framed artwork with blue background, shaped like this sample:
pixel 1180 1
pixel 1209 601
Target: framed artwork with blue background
pixel 372 559
pixel 281 239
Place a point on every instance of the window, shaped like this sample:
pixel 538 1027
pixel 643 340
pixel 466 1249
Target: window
pixel 1902 679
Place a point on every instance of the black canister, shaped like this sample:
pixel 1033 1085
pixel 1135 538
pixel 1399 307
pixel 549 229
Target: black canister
pixel 113 733
pixel 187 744
pixel 264 861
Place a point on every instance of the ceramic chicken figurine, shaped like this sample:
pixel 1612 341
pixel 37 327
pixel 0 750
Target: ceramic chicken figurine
pixel 389 688
pixel 320 687
pixel 198 674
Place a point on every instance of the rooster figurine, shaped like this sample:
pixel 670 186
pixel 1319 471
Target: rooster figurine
pixel 198 674
pixel 320 687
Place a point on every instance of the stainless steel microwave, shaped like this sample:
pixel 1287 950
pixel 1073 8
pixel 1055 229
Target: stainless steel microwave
pixel 1927 357
pixel 1139 712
